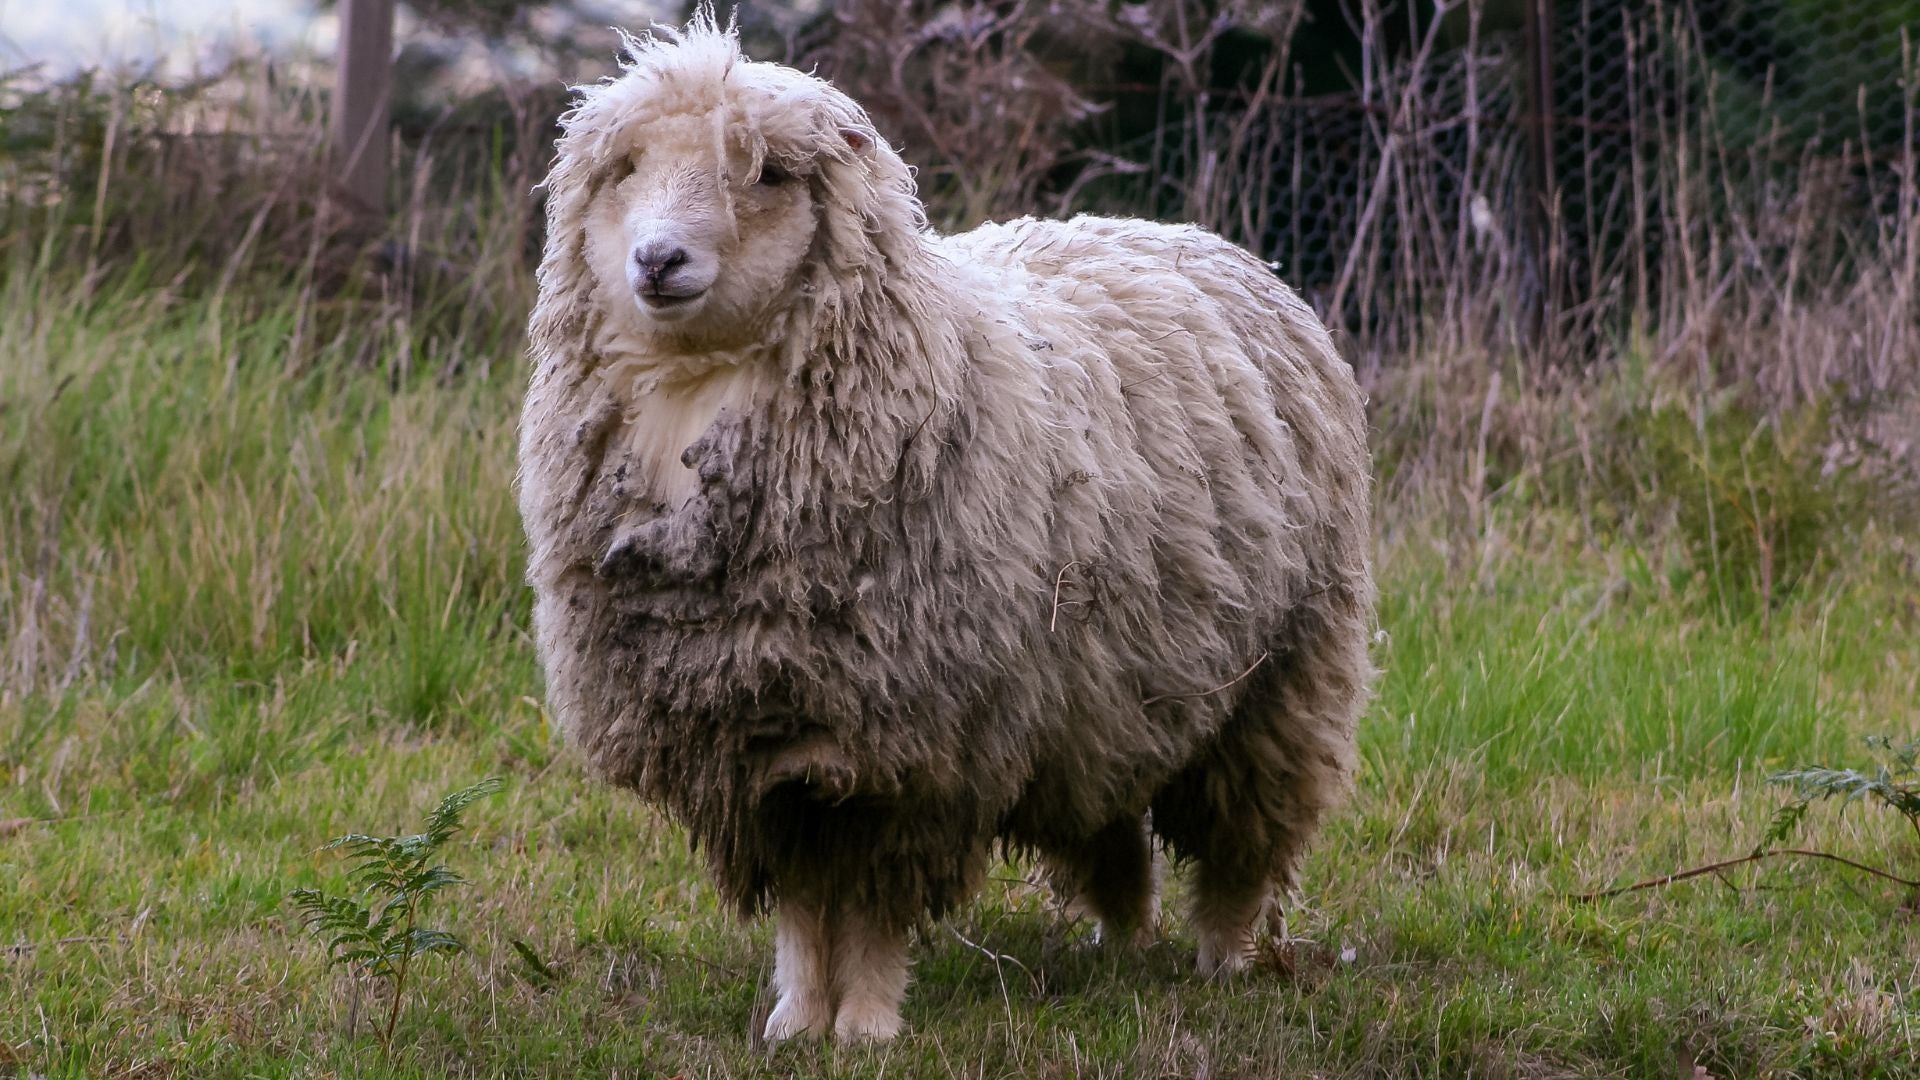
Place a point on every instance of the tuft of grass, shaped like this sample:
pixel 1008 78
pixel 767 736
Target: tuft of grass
pixel 1760 503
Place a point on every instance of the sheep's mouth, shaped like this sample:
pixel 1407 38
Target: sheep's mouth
pixel 663 303
pixel 667 300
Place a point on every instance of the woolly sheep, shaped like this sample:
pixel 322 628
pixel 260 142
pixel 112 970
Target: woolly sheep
pixel 858 548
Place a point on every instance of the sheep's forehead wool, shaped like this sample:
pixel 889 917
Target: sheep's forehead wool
pixel 682 84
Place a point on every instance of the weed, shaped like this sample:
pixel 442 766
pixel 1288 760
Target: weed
pixel 377 931
pixel 1894 783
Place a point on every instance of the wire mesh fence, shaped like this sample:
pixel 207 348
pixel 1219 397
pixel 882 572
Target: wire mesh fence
pixel 1786 104
pixel 1532 172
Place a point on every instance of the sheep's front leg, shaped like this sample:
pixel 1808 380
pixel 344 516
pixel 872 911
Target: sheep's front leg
pixel 802 959
pixel 869 976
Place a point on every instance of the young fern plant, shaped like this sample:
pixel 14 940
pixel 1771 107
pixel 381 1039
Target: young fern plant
pixel 376 931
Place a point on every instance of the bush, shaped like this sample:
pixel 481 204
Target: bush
pixel 1760 504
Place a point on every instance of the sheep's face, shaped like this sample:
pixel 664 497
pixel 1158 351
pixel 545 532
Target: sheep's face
pixel 696 238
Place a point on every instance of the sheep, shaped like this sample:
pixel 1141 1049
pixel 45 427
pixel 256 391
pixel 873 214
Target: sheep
pixel 859 549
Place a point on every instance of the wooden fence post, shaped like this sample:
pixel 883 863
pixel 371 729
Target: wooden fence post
pixel 362 105
pixel 1543 199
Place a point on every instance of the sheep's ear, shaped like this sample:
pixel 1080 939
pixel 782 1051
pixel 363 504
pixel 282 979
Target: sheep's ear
pixel 857 140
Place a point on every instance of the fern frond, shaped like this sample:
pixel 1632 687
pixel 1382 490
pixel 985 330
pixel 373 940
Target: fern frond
pixel 423 941
pixel 1785 822
pixel 431 880
pixel 445 819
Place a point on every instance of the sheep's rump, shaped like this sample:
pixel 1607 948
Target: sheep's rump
pixel 1018 593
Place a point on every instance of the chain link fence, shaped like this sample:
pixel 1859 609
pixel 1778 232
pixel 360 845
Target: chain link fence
pixel 1580 153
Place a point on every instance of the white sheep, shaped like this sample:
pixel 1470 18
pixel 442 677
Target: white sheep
pixel 858 548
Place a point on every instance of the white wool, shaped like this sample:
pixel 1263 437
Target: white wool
pixel 666 412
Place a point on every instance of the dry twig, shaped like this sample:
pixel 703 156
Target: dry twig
pixel 1724 864
pixel 1157 698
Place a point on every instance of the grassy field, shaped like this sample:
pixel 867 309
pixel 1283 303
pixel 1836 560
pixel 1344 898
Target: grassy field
pixel 247 606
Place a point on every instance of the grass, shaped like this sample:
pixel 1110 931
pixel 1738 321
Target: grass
pixel 248 603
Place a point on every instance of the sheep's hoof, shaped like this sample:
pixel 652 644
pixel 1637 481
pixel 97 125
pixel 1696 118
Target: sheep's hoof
pixel 866 1023
pixel 797 1017
pixel 1223 957
pixel 1128 937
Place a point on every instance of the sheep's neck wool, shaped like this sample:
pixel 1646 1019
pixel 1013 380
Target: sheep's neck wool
pixel 665 413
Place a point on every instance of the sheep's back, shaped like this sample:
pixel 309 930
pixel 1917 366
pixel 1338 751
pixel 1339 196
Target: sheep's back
pixel 1207 474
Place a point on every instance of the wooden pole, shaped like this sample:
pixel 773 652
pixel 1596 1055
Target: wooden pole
pixel 362 104
pixel 1540 139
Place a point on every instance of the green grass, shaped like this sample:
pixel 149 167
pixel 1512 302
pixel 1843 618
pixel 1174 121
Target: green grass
pixel 248 604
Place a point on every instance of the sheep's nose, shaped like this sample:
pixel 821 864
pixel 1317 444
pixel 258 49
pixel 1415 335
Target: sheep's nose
pixel 654 260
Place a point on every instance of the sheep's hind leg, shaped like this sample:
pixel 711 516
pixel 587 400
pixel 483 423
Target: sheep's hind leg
pixel 1111 877
pixel 802 963
pixel 1245 812
pixel 1244 817
pixel 869 976
pixel 1234 819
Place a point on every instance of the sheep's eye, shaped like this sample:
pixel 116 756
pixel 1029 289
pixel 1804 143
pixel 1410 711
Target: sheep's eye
pixel 772 175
